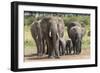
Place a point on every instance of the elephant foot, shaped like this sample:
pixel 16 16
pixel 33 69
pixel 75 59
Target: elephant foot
pixel 74 53
pixel 46 53
pixel 40 55
pixel 61 54
pixel 50 57
pixel 78 53
pixel 66 54
pixel 57 57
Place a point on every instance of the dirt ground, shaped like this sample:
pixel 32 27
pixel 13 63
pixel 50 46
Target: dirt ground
pixel 85 54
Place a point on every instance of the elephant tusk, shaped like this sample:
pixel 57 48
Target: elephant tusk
pixel 50 34
pixel 57 35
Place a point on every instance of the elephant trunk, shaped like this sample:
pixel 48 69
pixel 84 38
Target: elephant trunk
pixel 56 45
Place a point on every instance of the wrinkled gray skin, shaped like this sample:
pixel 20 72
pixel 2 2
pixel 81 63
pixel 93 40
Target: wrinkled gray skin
pixel 70 25
pixel 52 30
pixel 65 46
pixel 62 46
pixel 69 46
pixel 76 36
pixel 76 31
pixel 37 36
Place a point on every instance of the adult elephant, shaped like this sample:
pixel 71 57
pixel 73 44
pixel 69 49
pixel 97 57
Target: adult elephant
pixel 76 31
pixel 52 29
pixel 75 35
pixel 37 36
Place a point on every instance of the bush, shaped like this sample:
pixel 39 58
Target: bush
pixel 28 20
pixel 79 18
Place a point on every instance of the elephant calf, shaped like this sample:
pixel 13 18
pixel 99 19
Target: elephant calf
pixel 69 46
pixel 65 46
pixel 62 46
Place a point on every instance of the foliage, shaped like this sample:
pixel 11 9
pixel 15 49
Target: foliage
pixel 28 20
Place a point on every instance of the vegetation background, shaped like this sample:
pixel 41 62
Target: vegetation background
pixel 29 17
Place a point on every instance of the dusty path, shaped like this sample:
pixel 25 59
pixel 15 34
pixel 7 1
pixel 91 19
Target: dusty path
pixel 85 54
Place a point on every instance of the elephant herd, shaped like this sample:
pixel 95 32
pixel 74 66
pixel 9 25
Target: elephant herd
pixel 49 31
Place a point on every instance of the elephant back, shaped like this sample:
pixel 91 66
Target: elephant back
pixel 75 32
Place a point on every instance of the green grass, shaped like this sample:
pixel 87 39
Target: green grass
pixel 86 41
pixel 29 42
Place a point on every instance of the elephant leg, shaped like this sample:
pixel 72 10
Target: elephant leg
pixel 43 43
pixel 49 44
pixel 67 50
pixel 74 48
pixel 39 47
pixel 60 48
pixel 79 50
pixel 70 50
pixel 47 49
pixel 56 53
pixel 63 50
pixel 56 50
pixel 78 47
pixel 60 52
pixel 38 50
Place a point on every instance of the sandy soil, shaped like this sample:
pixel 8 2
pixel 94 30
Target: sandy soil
pixel 85 54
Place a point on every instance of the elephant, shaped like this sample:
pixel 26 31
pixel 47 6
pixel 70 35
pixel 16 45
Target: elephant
pixel 69 46
pixel 76 31
pixel 65 46
pixel 62 46
pixel 76 37
pixel 52 29
pixel 37 36
pixel 71 24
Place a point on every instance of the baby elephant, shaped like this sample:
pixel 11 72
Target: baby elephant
pixel 65 46
pixel 69 46
pixel 62 46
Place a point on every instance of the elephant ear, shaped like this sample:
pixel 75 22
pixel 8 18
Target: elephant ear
pixel 50 35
